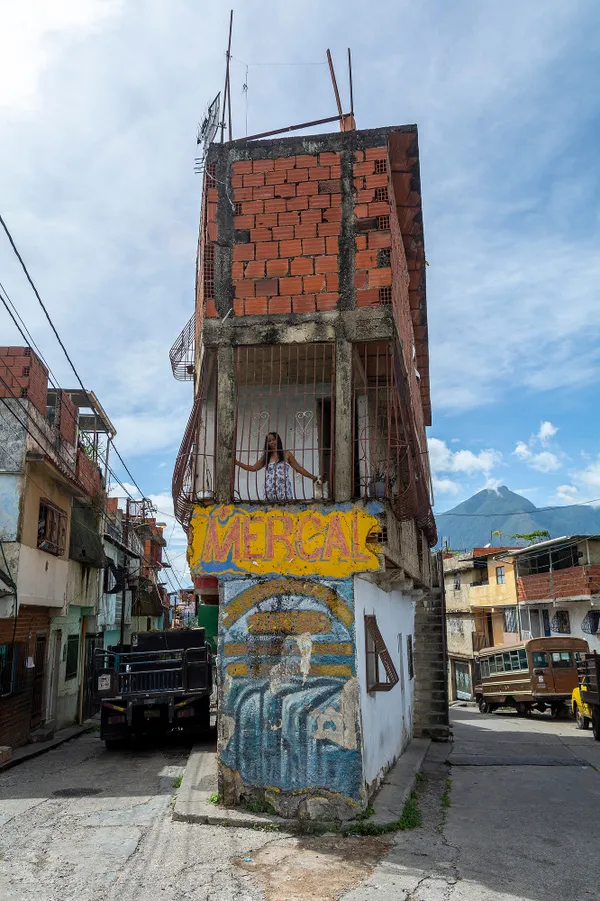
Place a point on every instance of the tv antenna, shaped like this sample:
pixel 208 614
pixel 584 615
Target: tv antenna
pixel 207 130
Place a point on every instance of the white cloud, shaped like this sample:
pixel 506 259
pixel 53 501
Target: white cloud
pixel 568 494
pixel 445 486
pixel 522 451
pixel 547 431
pixel 442 459
pixel 589 478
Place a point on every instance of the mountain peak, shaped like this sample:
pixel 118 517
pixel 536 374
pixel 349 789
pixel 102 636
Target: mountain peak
pixel 471 523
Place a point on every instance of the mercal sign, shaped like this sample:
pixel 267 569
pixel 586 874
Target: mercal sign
pixel 231 540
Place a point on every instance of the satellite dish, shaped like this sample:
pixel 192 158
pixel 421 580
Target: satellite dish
pixel 207 130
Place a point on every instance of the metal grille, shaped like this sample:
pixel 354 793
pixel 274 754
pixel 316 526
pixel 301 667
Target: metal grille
pixel 387 456
pixel 194 472
pixel 286 391
pixel 182 354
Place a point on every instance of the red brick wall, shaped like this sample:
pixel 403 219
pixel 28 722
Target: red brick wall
pixel 565 583
pixel 15 712
pixel 291 207
pixel 67 417
pixel 88 475
pixel 25 374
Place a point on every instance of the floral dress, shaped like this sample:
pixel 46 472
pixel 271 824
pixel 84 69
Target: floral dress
pixel 278 482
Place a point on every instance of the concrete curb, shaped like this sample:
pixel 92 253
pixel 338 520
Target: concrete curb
pixel 199 782
pixel 36 749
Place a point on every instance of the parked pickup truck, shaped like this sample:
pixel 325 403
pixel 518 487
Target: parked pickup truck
pixel 586 705
pixel 162 681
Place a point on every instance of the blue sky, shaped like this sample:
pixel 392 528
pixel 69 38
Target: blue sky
pixel 99 101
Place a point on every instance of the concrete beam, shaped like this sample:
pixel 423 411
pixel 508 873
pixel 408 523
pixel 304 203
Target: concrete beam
pixel 343 422
pixel 364 324
pixel 225 423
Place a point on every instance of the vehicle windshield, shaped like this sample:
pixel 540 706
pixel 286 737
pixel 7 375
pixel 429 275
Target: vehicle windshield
pixel 540 659
pixel 561 659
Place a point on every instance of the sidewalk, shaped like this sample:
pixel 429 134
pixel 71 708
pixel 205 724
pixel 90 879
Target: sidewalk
pixel 34 749
pixel 193 805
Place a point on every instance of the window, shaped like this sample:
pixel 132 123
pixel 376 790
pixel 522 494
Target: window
pixel 52 528
pixel 561 622
pixel 510 619
pixel 492 664
pixel 72 657
pixel 523 659
pixel 485 668
pixel 401 656
pixel 12 668
pixel 455 625
pixel 501 580
pixel 540 659
pixel 561 659
pixel 409 656
pixel 377 653
pixel 562 558
pixel 457 581
pixel 499 663
pixel 284 422
pixel 591 622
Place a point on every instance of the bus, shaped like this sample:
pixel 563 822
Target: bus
pixel 540 673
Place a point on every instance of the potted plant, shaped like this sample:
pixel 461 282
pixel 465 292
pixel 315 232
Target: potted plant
pixel 381 482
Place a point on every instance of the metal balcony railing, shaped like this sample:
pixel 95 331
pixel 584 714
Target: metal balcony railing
pixel 182 353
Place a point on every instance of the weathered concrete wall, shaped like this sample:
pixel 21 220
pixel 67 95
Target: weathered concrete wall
pixel 289 728
pixel 386 715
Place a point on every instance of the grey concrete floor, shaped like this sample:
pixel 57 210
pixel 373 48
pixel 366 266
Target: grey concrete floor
pixel 514 830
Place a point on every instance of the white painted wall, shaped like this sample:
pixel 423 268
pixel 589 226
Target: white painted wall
pixel 577 613
pixel 42 578
pixel 386 715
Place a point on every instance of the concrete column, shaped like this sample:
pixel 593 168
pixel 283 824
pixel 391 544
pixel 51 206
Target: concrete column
pixel 225 423
pixel 343 420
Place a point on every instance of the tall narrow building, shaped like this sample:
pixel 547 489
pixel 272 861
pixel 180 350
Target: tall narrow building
pixel 303 476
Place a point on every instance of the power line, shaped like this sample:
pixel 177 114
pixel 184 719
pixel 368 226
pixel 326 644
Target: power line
pixel 534 512
pixel 58 338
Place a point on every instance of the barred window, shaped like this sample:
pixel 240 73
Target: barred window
pixel 510 619
pixel 72 657
pixel 52 528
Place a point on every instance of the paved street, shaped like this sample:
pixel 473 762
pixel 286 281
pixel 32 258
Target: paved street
pixel 82 823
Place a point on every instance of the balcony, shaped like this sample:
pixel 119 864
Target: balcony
pixel 575 583
pixel 183 352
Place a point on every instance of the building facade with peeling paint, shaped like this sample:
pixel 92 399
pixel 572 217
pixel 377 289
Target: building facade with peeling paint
pixel 303 478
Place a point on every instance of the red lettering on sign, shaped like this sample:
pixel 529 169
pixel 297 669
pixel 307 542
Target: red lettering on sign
pixel 304 554
pixel 285 536
pixel 248 535
pixel 335 539
pixel 218 549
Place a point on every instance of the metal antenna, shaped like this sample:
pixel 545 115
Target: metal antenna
pixel 350 81
pixel 335 87
pixel 226 91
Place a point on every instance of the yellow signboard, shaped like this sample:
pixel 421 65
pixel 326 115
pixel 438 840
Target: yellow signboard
pixel 230 540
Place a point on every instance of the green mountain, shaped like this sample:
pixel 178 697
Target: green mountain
pixel 471 523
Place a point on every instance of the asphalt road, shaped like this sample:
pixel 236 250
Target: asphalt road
pixel 521 821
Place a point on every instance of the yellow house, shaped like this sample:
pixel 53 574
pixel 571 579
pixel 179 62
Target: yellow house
pixel 481 611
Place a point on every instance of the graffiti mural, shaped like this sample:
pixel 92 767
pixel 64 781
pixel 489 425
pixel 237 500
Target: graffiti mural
pixel 289 700
pixel 333 542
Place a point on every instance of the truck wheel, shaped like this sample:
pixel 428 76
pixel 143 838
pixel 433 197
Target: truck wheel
pixel 484 707
pixel 596 723
pixel 581 721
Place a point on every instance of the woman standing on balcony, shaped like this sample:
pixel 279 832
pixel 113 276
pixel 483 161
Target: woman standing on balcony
pixel 278 479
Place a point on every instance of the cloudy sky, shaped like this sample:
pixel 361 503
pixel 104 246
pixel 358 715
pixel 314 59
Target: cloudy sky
pixel 99 102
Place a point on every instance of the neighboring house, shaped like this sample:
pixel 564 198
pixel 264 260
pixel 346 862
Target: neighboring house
pixel 133 545
pixel 481 612
pixel 51 506
pixel 311 325
pixel 558 588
